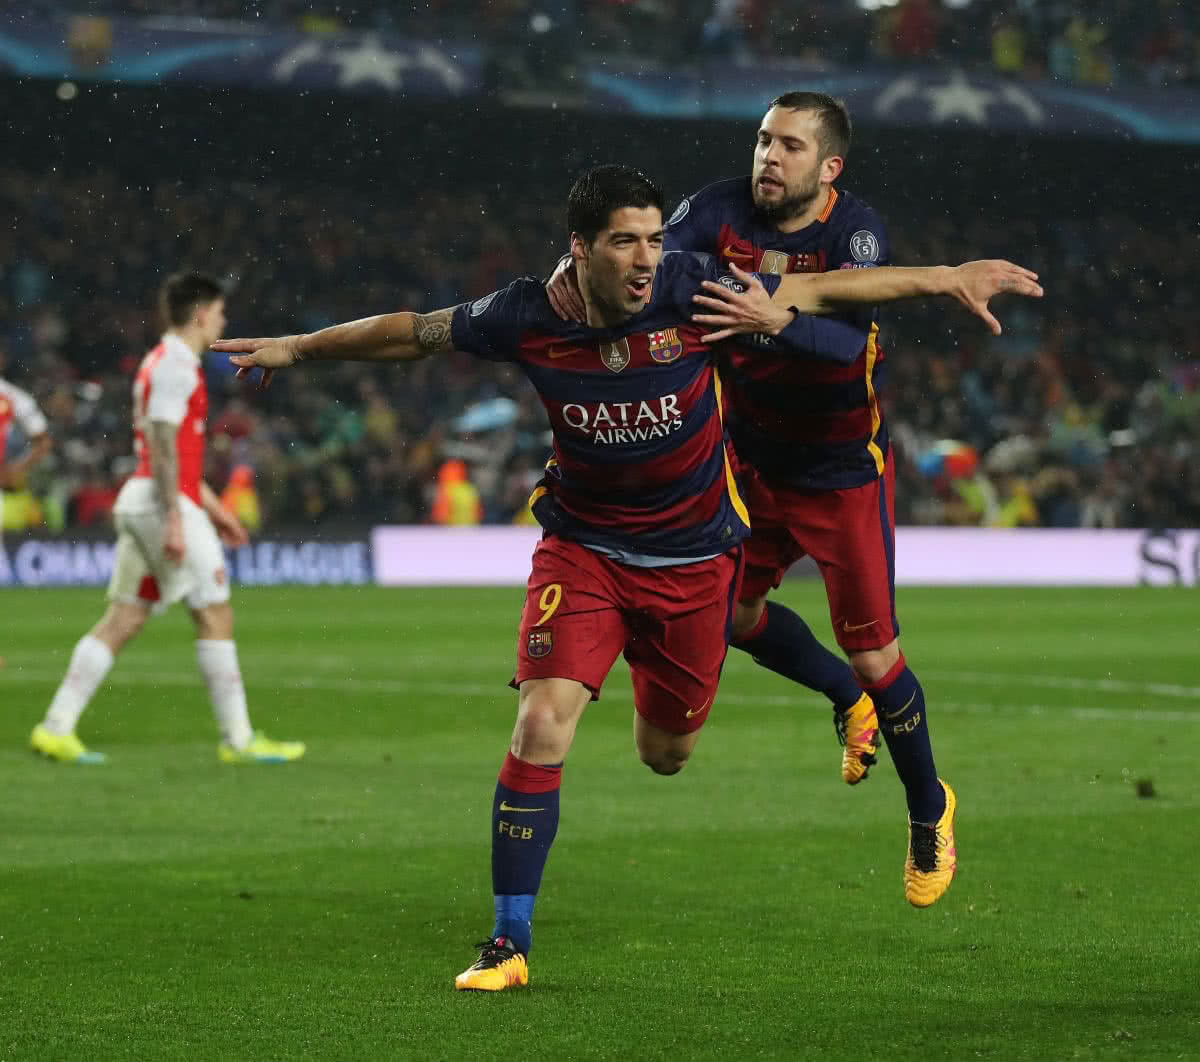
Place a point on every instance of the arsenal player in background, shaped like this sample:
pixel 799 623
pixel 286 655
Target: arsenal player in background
pixel 170 526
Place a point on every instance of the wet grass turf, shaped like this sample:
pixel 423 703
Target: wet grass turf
pixel 164 906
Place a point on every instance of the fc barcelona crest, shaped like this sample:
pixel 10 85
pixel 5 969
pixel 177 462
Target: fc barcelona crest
pixel 665 346
pixel 615 357
pixel 541 641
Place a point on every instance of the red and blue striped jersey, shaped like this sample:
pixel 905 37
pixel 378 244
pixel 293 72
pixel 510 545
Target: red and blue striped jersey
pixel 803 407
pixel 640 468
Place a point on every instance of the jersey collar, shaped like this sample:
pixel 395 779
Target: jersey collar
pixel 173 343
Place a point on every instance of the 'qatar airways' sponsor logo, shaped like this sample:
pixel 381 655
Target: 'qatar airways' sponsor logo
pixel 610 423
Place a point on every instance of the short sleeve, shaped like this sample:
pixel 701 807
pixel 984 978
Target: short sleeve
pixel 26 413
pixel 491 327
pixel 685 272
pixel 172 382
pixel 689 227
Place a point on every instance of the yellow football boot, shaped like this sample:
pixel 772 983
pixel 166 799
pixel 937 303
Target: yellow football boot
pixel 62 748
pixel 261 750
pixel 499 967
pixel 858 730
pixel 931 861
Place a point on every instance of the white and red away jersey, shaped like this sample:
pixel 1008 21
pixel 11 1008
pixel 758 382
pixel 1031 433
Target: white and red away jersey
pixel 170 386
pixel 18 407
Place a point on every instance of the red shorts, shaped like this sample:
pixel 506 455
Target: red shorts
pixel 848 533
pixel 672 624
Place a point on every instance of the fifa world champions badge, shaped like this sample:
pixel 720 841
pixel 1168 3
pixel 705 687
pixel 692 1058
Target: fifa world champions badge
pixel 664 346
pixel 541 641
pixel 775 262
pixel 615 355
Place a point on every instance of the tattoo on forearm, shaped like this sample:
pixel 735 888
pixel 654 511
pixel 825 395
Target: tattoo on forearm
pixel 160 437
pixel 432 331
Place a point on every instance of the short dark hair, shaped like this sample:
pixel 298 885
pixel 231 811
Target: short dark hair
pixel 181 293
pixel 832 115
pixel 604 189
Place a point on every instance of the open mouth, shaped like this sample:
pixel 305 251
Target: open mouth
pixel 768 184
pixel 638 288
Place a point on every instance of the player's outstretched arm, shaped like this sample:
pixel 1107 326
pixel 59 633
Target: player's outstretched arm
pixel 386 337
pixel 754 311
pixel 972 284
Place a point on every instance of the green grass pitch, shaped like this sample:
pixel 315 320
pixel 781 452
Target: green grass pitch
pixel 164 906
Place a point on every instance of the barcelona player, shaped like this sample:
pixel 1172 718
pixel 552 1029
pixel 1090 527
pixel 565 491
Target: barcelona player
pixel 813 443
pixel 642 514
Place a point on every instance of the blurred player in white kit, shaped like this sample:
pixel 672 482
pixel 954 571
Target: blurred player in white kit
pixel 170 525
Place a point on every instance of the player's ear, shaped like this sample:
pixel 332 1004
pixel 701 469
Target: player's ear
pixel 579 248
pixel 831 168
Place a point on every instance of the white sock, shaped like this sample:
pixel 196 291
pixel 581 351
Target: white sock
pixel 90 662
pixel 219 664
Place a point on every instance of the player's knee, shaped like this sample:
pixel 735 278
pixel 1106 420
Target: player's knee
pixel 872 665
pixel 214 622
pixel 664 761
pixel 120 624
pixel 746 617
pixel 542 723
pixel 130 625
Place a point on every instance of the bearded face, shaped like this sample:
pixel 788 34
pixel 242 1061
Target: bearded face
pixel 788 160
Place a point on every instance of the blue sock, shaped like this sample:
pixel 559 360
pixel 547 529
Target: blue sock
pixel 783 643
pixel 524 822
pixel 900 703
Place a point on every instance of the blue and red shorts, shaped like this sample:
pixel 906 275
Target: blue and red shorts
pixel 849 533
pixel 672 624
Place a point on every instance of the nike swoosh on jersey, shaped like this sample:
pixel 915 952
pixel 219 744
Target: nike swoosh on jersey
pixel 729 252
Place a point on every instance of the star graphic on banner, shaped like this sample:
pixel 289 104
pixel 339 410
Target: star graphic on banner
pixel 434 61
pixel 1024 102
pixel 291 61
pixel 958 96
pixel 370 62
pixel 897 92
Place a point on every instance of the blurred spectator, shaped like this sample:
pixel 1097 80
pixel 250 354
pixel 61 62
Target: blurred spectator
pixel 455 501
pixel 725 31
pixel 1008 45
pixel 535 41
pixel 241 499
pixel 915 32
pixel 1086 411
pixel 92 503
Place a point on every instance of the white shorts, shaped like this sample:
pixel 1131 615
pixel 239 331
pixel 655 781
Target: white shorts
pixel 142 573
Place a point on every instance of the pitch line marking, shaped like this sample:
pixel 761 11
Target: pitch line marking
pixel 327 662
pixel 1065 682
pixel 138 677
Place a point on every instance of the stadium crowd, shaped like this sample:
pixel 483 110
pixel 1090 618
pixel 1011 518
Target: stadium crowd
pixel 1084 412
pixel 1099 43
